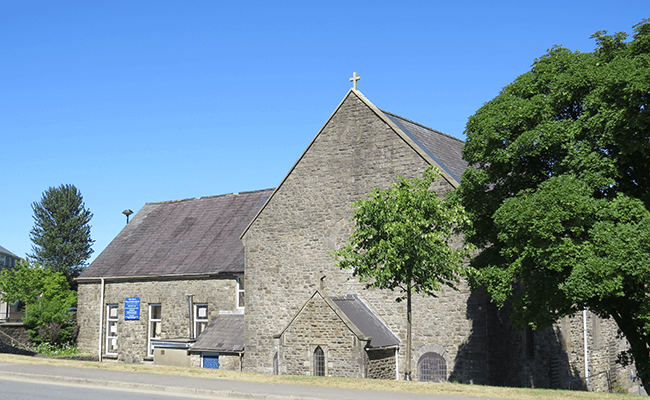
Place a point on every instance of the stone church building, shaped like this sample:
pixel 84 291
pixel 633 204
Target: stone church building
pixel 303 315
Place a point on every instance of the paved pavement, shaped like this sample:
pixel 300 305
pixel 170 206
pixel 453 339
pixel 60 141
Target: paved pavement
pixel 198 386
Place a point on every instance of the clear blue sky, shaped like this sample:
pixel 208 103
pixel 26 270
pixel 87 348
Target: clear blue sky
pixel 146 101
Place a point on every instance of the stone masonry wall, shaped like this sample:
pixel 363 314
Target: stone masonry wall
pixel 381 364
pixel 15 334
pixel 219 294
pixel 288 247
pixel 229 362
pixel 318 325
pixel 554 358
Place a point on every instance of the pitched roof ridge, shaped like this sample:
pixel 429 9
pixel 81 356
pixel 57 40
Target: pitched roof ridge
pixel 207 197
pixel 422 126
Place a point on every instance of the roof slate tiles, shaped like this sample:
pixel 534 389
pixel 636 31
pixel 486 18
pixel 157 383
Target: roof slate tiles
pixel 194 236
pixel 444 149
pixel 224 334
pixel 366 321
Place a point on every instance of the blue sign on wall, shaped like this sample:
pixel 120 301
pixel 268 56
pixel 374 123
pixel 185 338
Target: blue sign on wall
pixel 131 308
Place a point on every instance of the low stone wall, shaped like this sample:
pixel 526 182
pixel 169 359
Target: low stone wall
pixel 14 339
pixel 14 334
pixel 229 362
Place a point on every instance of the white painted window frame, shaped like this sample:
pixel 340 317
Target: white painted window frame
pixel 198 319
pixel 240 294
pixel 150 331
pixel 111 334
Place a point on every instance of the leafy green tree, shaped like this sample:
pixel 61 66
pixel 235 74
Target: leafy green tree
pixel 48 299
pixel 28 283
pixel 49 321
pixel 559 193
pixel 403 240
pixel 61 233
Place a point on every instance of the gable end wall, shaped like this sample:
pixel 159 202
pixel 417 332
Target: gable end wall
pixel 288 246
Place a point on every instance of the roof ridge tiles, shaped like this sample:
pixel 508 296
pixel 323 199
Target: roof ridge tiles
pixel 207 197
pixel 422 126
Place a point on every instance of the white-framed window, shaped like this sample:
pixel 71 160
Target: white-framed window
pixel 155 326
pixel 200 318
pixel 111 328
pixel 240 293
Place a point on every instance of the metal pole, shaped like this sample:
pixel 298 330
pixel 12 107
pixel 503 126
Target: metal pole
pixel 586 346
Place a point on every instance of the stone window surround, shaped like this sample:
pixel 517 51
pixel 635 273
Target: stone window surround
pixel 112 318
pixel 428 348
pixel 432 363
pixel 312 360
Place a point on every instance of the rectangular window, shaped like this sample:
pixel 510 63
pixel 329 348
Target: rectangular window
pixel 240 293
pixel 111 328
pixel 200 318
pixel 155 326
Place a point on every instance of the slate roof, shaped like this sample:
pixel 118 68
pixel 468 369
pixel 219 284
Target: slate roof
pixel 366 321
pixel 445 150
pixel 186 237
pixel 224 334
pixel 8 253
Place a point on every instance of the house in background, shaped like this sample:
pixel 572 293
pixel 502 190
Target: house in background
pixel 166 275
pixel 8 311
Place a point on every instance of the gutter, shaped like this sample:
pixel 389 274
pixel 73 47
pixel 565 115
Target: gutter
pixel 143 277
pixel 101 318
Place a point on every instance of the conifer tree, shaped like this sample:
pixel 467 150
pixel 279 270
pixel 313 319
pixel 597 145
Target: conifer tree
pixel 61 233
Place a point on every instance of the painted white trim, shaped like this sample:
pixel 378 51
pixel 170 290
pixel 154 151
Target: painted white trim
pixel 238 290
pixel 101 319
pixel 150 336
pixel 198 319
pixel 108 326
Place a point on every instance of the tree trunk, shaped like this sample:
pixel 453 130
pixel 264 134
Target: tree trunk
pixel 407 375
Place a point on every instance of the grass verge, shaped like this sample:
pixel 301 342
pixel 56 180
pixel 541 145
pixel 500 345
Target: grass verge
pixel 343 383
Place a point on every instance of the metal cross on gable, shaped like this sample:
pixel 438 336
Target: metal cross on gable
pixel 354 79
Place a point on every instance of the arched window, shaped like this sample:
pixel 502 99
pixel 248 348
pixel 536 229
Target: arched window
pixel 319 362
pixel 432 368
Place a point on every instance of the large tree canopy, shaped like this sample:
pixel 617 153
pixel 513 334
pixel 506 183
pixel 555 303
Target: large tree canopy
pixel 61 234
pixel 403 240
pixel 559 193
